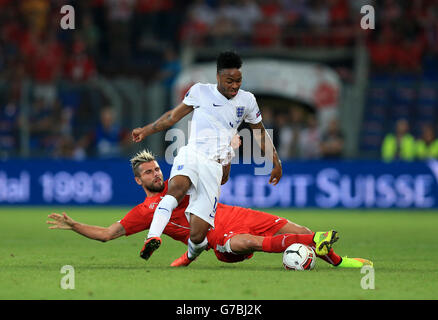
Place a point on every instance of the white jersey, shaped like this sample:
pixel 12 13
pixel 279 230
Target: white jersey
pixel 216 119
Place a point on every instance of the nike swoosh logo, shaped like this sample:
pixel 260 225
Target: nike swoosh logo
pixel 163 209
pixel 277 220
pixel 217 105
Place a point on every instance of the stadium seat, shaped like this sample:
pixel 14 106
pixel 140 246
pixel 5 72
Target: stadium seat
pixel 376 112
pixel 398 111
pixel 428 92
pixel 425 110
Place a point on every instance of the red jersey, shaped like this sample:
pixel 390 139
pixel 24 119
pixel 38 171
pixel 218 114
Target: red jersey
pixel 229 221
pixel 140 218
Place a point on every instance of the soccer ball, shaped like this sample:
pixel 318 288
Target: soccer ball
pixel 299 256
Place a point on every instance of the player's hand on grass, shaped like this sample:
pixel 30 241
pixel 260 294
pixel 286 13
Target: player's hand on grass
pixel 138 134
pixel 63 222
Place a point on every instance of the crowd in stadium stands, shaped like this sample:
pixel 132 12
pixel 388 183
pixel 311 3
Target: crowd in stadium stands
pixel 402 145
pixel 131 36
pixel 297 135
pixel 270 23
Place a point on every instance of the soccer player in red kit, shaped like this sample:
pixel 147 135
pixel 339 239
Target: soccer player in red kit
pixel 238 231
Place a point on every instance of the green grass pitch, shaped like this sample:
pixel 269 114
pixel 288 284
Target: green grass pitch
pixel 402 244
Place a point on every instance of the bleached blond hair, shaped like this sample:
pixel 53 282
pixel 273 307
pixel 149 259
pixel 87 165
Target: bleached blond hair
pixel 141 157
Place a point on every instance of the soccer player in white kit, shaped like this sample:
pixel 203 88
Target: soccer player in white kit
pixel 201 165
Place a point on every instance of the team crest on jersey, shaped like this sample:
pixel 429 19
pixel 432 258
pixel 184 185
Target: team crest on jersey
pixel 239 111
pixel 152 205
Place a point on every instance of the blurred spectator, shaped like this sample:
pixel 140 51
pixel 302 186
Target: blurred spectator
pixel 339 12
pixel 91 35
pixel 33 46
pixel 267 29
pixel 295 14
pixel 67 149
pixel 157 21
pixel 381 50
pixel 427 145
pixel 310 139
pixel 119 14
pixel 340 23
pixel 270 123
pixel 408 55
pixel 332 141
pixel 9 121
pixel 391 10
pixel 248 13
pixel 199 20
pixel 290 127
pixel 297 117
pixel 295 11
pixel 109 136
pixel 64 148
pixel 223 32
pixel 42 127
pixel 285 135
pixel 266 33
pixel 36 14
pixel 318 17
pixel 79 65
pixel 46 67
pixel 170 69
pixel 399 145
pixel 201 11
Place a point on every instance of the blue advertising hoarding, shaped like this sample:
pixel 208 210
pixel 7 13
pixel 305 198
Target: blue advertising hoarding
pixel 316 184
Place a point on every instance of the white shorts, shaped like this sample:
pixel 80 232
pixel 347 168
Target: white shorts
pixel 205 175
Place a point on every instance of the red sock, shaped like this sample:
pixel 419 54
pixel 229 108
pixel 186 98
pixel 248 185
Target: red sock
pixel 331 258
pixel 280 242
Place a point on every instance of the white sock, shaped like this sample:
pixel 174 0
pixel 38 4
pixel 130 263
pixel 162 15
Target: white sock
pixel 195 249
pixel 162 215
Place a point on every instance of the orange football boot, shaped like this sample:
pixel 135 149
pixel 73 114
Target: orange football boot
pixel 182 261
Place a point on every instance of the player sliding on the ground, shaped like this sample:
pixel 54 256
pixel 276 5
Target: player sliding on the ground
pixel 238 232
pixel 218 110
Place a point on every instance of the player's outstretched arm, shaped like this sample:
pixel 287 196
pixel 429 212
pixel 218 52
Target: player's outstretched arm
pixel 166 121
pixel 268 150
pixel 64 222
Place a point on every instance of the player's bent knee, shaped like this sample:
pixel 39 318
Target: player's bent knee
pixel 178 187
pixel 197 237
pixel 198 229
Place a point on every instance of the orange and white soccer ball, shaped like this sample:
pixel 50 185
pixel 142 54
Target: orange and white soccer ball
pixel 299 256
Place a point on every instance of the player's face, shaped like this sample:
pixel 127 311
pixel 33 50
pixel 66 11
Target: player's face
pixel 151 177
pixel 229 82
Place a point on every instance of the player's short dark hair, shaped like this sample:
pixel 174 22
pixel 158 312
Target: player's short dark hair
pixel 228 60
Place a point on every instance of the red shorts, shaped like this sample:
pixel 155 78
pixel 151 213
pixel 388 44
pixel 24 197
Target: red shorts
pixel 230 221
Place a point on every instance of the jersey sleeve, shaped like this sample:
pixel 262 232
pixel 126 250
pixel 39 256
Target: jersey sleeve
pixel 192 96
pixel 254 115
pixel 137 220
